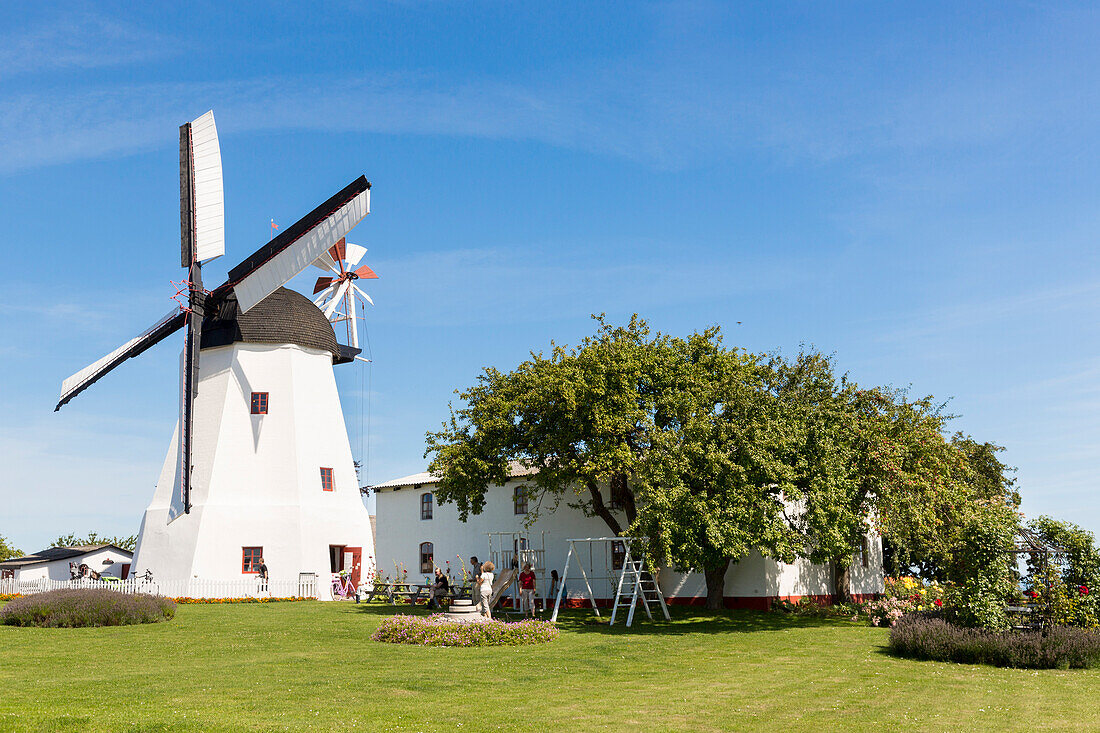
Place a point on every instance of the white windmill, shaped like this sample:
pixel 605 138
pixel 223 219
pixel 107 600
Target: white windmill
pixel 338 295
pixel 260 464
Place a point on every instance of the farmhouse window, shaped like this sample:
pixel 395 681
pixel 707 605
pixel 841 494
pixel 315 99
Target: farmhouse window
pixel 250 559
pixel 427 557
pixel 519 500
pixel 326 479
pixel 259 403
pixel 618 555
pixel 426 506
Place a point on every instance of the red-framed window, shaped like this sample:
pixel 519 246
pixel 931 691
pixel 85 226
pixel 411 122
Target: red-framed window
pixel 519 500
pixel 259 403
pixel 427 557
pixel 426 506
pixel 326 480
pixel 250 559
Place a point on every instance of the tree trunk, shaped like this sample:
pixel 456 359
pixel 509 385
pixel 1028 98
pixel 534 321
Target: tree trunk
pixel 600 509
pixel 623 497
pixel 716 584
pixel 842 581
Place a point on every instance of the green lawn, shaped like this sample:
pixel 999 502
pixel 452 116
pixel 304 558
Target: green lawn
pixel 311 665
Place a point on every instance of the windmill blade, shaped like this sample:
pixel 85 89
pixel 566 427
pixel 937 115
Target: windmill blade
pixel 365 273
pixel 87 376
pixel 353 253
pixel 323 283
pixel 363 295
pixel 324 296
pixel 274 264
pixel 325 262
pixel 209 199
pixel 328 309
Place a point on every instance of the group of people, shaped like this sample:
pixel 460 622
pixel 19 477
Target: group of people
pixel 482 577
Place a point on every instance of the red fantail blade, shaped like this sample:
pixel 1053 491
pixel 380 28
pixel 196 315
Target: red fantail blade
pixel 339 252
pixel 322 283
pixel 365 273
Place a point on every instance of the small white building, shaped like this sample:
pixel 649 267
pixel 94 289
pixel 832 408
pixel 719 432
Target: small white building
pixel 415 532
pixel 54 563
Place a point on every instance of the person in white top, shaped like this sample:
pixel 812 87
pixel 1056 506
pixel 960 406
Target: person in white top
pixel 485 588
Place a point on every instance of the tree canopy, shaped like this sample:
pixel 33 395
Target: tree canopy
pixel 7 550
pixel 713 453
pixel 93 538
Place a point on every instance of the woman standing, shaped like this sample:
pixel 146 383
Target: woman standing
pixel 485 588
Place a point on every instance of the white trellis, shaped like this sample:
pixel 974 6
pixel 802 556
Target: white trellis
pixel 632 584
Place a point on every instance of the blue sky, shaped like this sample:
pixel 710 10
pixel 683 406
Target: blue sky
pixel 912 187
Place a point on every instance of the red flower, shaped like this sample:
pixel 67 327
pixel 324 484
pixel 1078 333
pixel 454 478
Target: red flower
pixel 1033 594
pixel 1083 590
pixel 938 603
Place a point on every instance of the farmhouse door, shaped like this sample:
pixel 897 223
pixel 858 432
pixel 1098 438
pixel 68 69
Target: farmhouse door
pixel 353 560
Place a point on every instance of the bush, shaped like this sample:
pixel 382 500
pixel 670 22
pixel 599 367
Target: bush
pixel 77 608
pixel 918 636
pixel 438 630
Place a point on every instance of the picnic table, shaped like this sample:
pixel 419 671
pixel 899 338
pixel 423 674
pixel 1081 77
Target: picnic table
pixel 411 591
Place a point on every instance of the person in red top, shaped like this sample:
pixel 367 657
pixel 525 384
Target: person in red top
pixel 527 590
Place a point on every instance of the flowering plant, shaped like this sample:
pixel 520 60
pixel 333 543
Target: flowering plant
pixel 438 630
pixel 901 596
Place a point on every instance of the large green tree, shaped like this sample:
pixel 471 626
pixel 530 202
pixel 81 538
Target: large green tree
pixel 711 488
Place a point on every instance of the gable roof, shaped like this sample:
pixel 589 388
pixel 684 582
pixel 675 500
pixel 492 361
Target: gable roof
pixel 53 554
pixel 515 470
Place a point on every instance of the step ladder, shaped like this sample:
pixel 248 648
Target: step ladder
pixel 636 583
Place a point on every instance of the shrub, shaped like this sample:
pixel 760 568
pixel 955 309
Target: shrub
pixel 76 608
pixel 919 636
pixel 438 630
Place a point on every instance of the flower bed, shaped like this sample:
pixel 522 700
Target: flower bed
pixel 9 596
pixel 88 607
pixel 918 636
pixel 243 599
pixel 903 596
pixel 438 630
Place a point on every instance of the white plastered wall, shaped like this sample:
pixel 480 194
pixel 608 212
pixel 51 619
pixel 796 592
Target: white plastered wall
pixel 256 479
pixel 400 532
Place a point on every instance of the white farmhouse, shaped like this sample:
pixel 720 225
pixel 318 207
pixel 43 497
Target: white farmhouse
pixel 273 474
pixel 415 532
pixel 54 563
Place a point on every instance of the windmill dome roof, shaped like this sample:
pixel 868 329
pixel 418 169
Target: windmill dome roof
pixel 284 317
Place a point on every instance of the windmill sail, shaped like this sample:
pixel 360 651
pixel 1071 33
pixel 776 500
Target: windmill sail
pixel 206 168
pixel 277 262
pixel 87 376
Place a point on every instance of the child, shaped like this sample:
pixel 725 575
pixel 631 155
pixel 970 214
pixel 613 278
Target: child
pixel 527 590
pixel 485 588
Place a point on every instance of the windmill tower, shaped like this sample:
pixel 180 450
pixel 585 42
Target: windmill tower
pixel 260 463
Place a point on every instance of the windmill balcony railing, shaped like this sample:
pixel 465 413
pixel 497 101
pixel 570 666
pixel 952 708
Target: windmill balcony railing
pixel 252 587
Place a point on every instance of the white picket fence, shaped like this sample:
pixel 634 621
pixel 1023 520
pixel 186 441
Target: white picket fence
pixel 305 586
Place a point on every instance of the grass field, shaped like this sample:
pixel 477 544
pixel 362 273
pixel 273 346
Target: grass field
pixel 312 666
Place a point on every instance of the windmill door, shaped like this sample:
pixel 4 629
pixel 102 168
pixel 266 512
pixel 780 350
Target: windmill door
pixel 353 561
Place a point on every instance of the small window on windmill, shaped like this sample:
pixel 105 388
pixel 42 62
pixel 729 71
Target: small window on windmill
pixel 426 506
pixel 250 559
pixel 326 479
pixel 259 403
pixel 864 550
